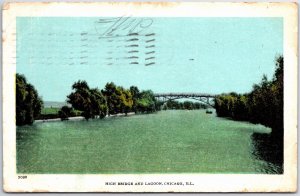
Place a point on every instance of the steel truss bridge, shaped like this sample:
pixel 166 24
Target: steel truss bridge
pixel 202 97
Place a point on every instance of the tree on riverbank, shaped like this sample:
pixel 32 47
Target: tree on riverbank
pixel 264 104
pixel 65 112
pixel 90 101
pixel 112 99
pixel 146 102
pixel 186 105
pixel 136 95
pixel 266 100
pixel 28 102
pixel 119 99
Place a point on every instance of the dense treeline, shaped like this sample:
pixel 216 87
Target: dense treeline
pixel 264 104
pixel 186 105
pixel 88 100
pixel 85 101
pixel 111 100
pixel 28 102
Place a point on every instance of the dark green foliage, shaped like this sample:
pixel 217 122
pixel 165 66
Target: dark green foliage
pixel 158 104
pixel 171 104
pixel 232 105
pixel 110 92
pixel 65 112
pixel 264 104
pixel 126 100
pixel 111 100
pixel 28 103
pixel 97 103
pixel 90 101
pixel 51 113
pixel 266 101
pixel 146 102
pixel 198 106
pixel 186 105
pixel 119 100
pixel 135 92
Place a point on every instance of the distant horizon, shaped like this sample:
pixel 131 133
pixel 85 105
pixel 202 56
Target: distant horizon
pixel 202 55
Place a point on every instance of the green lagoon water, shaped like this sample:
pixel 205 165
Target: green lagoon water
pixel 164 142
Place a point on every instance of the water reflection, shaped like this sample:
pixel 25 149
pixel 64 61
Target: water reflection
pixel 268 148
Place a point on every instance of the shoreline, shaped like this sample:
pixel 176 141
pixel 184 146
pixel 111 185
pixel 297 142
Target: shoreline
pixel 81 118
pixel 74 118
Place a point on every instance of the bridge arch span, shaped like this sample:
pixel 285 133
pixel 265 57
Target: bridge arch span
pixel 202 97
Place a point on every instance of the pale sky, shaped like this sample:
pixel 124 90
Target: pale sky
pixel 202 55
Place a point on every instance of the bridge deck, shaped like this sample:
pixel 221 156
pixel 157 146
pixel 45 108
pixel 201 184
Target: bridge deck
pixel 184 95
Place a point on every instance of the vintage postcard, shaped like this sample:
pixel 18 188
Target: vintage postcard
pixel 150 97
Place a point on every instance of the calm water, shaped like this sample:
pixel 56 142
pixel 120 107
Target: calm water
pixel 168 142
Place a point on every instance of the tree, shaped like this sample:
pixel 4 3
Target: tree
pixel 171 104
pixel 277 91
pixel 98 103
pixel 135 92
pixel 147 102
pixel 65 112
pixel 188 105
pixel 119 100
pixel 90 101
pixel 264 104
pixel 111 94
pixel 28 102
pixel 126 101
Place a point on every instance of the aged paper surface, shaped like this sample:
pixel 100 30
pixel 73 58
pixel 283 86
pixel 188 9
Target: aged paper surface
pixel 83 180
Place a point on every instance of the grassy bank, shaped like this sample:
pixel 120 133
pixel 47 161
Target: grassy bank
pixel 52 113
